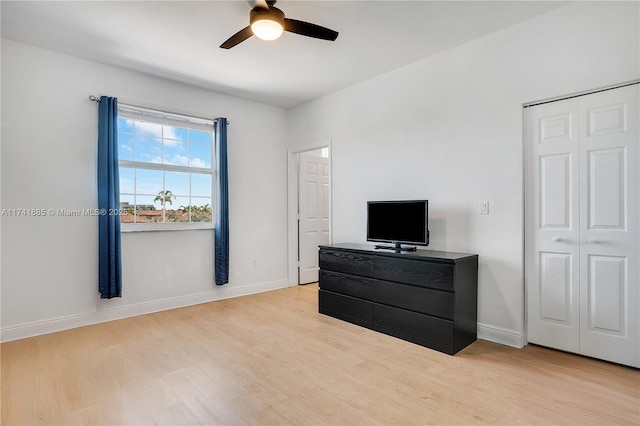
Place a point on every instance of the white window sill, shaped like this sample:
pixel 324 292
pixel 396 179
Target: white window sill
pixel 154 227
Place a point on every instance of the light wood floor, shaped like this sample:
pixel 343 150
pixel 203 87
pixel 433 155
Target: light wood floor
pixel 272 359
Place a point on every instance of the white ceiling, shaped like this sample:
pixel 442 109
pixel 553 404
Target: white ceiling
pixel 179 39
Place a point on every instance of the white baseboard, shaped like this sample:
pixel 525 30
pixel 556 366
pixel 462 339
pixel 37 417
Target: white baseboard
pixel 500 335
pixel 38 328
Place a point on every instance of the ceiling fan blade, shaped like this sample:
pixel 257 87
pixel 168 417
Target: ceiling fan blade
pixel 262 4
pixel 237 38
pixel 309 30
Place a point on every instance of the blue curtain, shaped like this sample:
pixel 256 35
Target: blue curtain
pixel 109 263
pixel 221 232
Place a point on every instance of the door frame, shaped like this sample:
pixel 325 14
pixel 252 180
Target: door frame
pixel 292 207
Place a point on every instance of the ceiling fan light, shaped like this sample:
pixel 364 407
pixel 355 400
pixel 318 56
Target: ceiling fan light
pixel 267 29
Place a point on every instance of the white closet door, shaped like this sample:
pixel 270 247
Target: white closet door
pixel 609 226
pixel 582 225
pixel 552 232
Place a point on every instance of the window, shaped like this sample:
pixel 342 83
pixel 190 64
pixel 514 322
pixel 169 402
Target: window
pixel 166 170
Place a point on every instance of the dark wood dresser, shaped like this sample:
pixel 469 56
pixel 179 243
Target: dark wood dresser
pixel 426 297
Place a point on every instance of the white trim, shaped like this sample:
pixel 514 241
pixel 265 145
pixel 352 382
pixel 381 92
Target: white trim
pixel 168 167
pixel 292 206
pixel 501 336
pixel 37 328
pixel 162 117
pixel 166 226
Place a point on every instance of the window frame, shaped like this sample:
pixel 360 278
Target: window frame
pixel 190 122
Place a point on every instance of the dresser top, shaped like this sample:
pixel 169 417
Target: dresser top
pixel 418 254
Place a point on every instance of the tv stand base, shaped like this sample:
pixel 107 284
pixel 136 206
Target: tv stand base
pixel 397 248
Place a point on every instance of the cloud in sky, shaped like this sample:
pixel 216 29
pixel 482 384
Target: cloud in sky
pixel 197 162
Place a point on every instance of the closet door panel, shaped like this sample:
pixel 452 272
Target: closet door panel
pixel 610 228
pixel 552 232
pixel 606 192
pixel 606 289
pixel 555 288
pixel 555 191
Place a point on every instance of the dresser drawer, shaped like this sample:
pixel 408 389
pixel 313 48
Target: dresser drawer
pixel 347 308
pixel 346 261
pixel 350 285
pixel 435 333
pixel 415 272
pixel 437 303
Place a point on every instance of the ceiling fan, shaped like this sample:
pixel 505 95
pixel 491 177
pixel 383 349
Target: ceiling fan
pixel 268 23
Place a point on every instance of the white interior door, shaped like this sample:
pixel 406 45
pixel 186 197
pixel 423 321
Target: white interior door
pixel 582 225
pixel 313 209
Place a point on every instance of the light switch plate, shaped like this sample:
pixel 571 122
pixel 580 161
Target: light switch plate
pixel 484 207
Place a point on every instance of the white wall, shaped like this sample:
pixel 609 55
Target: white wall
pixel 49 264
pixel 449 129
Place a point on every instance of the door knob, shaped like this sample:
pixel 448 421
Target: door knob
pixel 557 239
pixel 594 241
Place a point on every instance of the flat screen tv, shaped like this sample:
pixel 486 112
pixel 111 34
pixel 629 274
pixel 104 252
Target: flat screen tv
pixel 398 222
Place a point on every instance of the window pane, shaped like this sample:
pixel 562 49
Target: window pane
pixel 175 152
pixel 126 201
pixel 125 125
pixel 178 211
pixel 204 137
pixel 164 199
pixel 177 183
pixel 176 133
pixel 155 192
pixel 146 210
pixel 201 185
pixel 200 209
pixel 144 128
pixel 145 202
pixel 125 146
pixel 127 208
pixel 199 155
pixel 147 149
pixel 148 182
pixel 126 181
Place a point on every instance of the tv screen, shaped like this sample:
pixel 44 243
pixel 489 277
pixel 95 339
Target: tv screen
pixel 398 221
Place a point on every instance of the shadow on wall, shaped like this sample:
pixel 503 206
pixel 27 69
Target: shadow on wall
pixel 456 237
pixel 437 233
pixel 498 279
pixel 494 309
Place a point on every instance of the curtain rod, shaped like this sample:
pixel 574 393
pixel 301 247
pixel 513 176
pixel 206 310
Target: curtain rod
pixel 95 98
